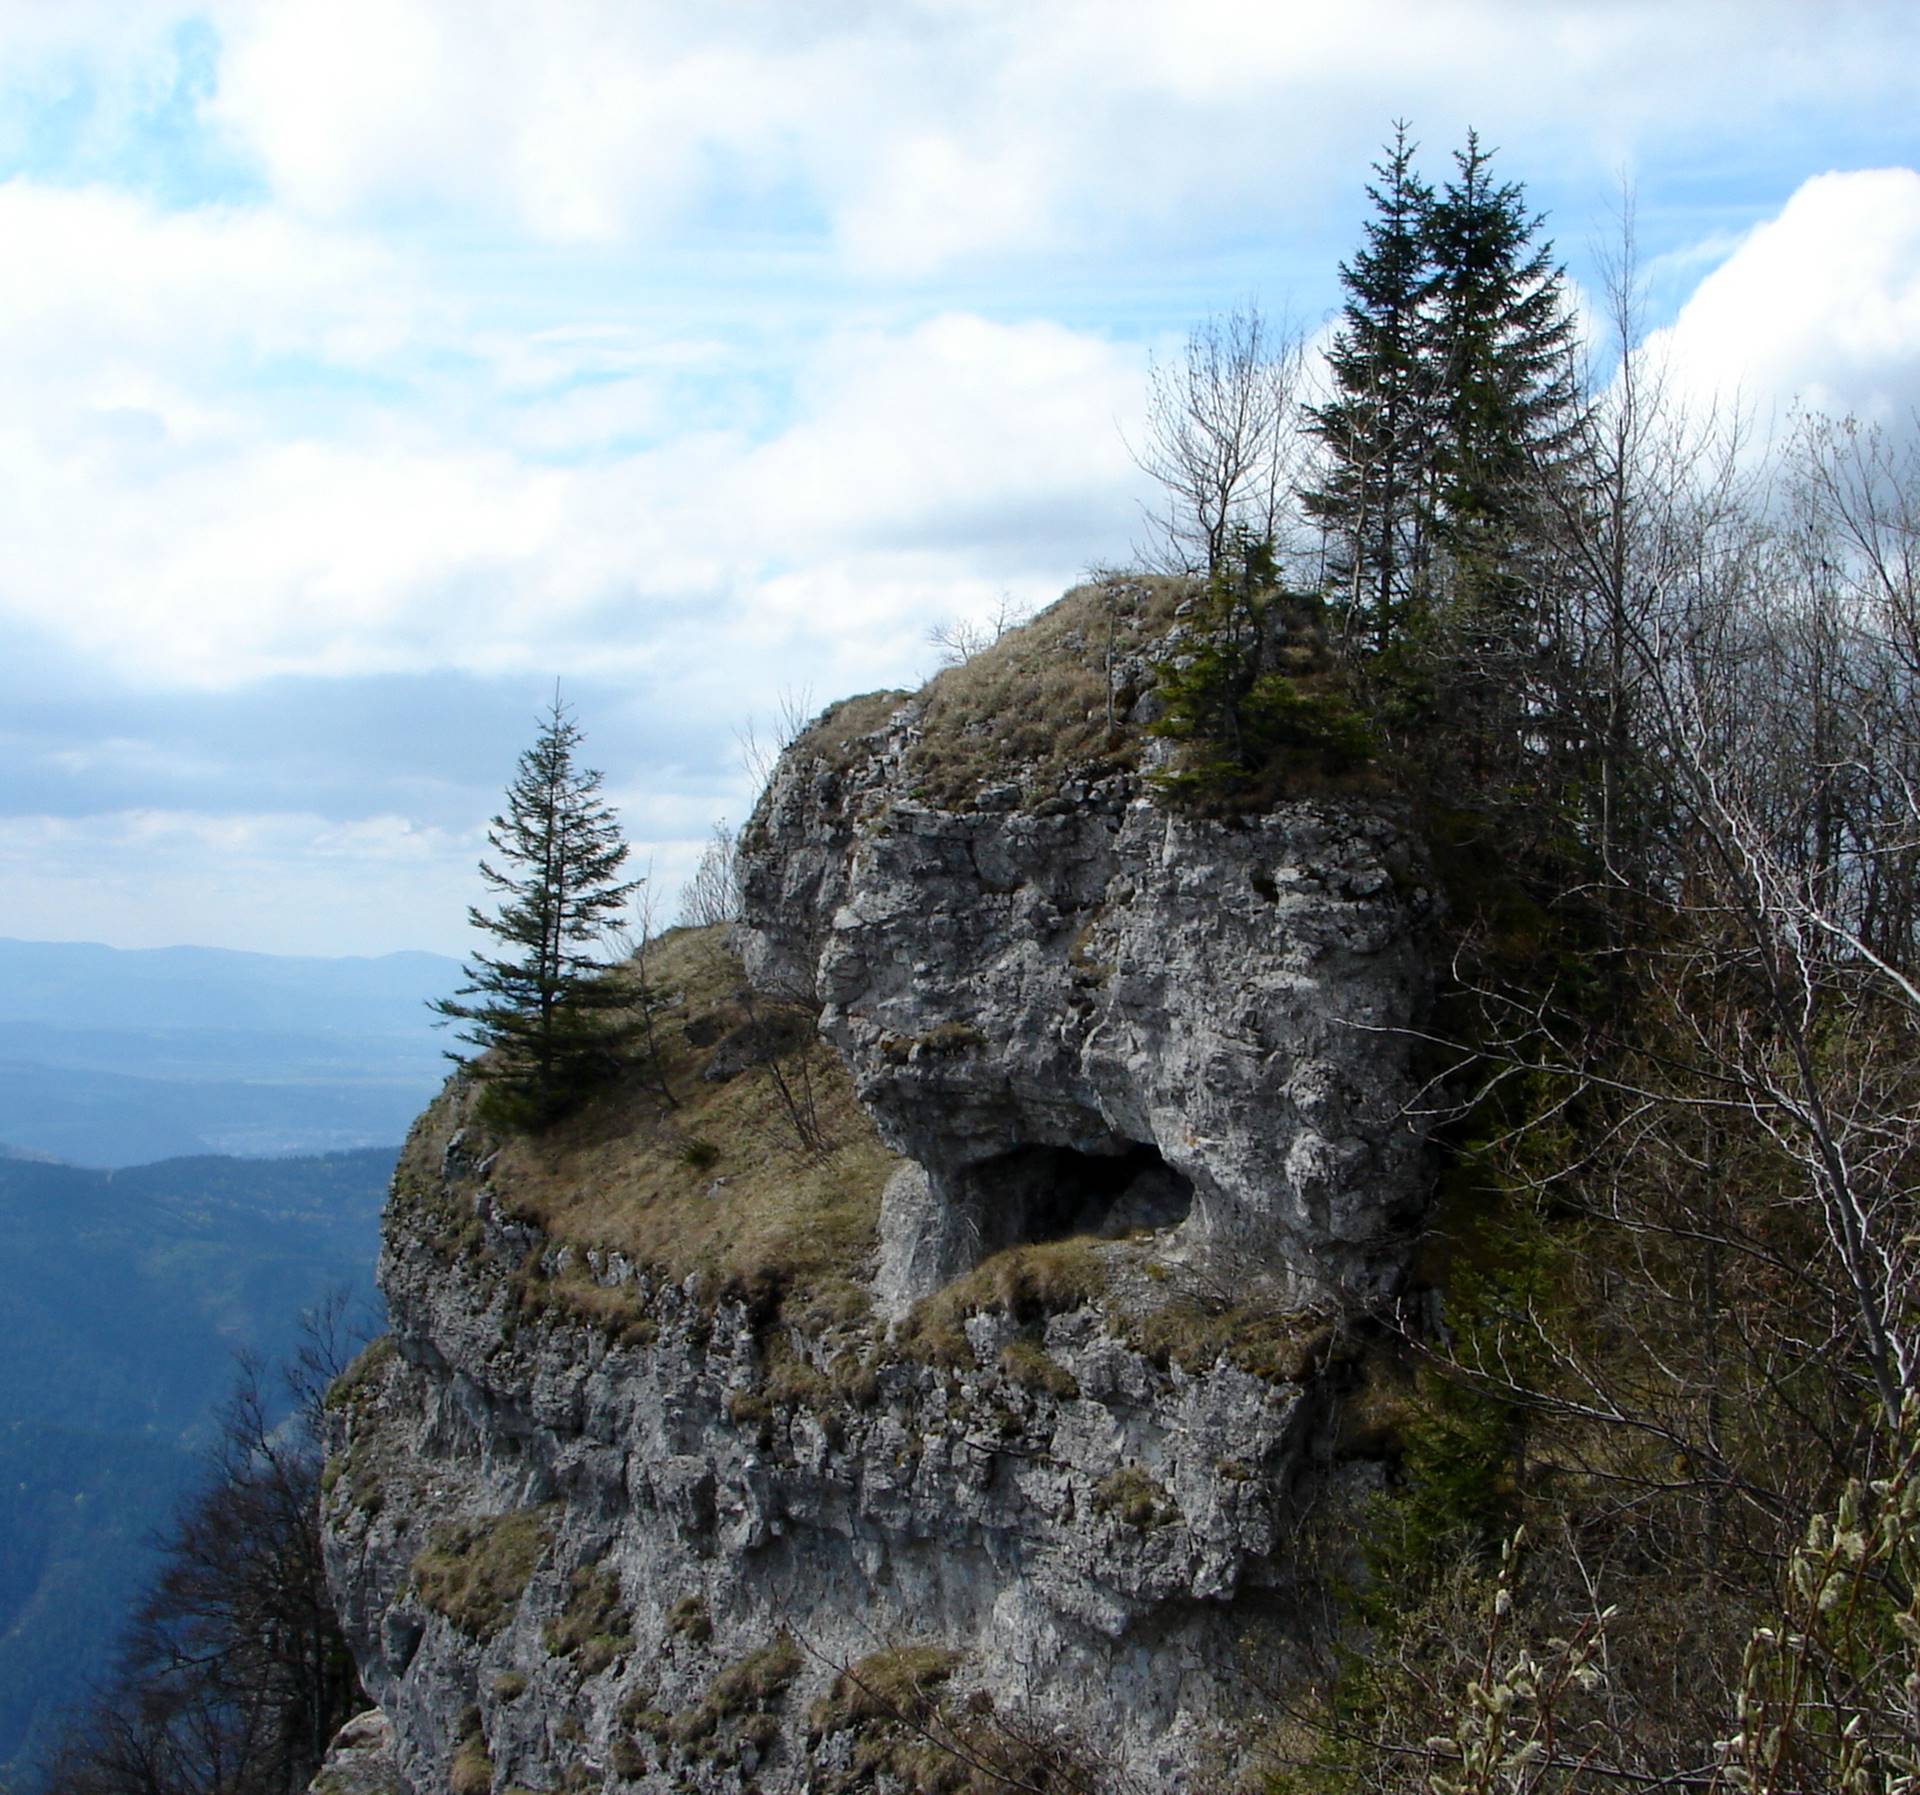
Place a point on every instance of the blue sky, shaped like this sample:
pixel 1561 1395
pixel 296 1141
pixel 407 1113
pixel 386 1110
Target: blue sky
pixel 372 363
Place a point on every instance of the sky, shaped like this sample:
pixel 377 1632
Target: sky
pixel 368 366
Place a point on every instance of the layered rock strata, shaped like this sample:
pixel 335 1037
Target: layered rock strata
pixel 1029 1513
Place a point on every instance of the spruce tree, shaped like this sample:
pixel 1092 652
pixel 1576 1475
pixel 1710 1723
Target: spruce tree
pixel 547 1011
pixel 1496 341
pixel 1376 427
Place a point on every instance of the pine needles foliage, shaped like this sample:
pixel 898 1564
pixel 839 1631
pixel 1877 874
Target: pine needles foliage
pixel 550 1018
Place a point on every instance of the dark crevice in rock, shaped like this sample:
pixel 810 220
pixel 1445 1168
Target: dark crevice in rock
pixel 1048 1193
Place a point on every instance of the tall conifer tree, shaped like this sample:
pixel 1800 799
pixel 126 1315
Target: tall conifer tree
pixel 1376 427
pixel 1496 340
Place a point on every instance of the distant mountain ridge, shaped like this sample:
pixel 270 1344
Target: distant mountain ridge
pixel 83 984
pixel 115 1057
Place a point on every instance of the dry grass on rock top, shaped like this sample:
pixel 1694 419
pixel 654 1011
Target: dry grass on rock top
pixel 685 1175
pixel 1035 705
pixel 837 734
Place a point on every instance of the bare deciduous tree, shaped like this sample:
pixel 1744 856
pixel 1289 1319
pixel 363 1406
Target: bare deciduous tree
pixel 712 895
pixel 1222 430
pixel 961 638
pixel 234 1675
pixel 761 748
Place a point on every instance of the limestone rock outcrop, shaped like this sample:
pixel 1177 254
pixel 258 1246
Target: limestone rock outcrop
pixel 1012 1484
pixel 1063 1512
pixel 1100 1012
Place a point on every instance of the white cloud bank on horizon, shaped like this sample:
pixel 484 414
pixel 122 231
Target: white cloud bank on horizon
pixel 145 878
pixel 382 881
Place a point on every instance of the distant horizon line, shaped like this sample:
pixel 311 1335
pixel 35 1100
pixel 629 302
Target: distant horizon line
pixel 252 953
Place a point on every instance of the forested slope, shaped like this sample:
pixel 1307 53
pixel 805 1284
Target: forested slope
pixel 127 1296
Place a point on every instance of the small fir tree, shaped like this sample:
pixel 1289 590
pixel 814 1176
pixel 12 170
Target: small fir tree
pixel 1244 722
pixel 547 1014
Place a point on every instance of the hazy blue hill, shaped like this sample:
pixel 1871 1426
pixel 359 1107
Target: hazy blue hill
pixel 125 1296
pixel 126 1293
pixel 124 1290
pixel 105 1118
pixel 116 1058
pixel 175 1054
pixel 80 984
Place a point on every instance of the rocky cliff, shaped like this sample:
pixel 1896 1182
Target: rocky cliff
pixel 934 1411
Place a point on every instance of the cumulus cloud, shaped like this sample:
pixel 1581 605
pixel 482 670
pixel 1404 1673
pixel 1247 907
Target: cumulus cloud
pixel 108 266
pixel 922 134
pixel 162 519
pixel 1819 306
pixel 681 352
pixel 176 524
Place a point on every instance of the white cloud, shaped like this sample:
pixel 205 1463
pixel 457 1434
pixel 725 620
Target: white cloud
pixel 114 312
pixel 581 120
pixel 925 134
pixel 604 337
pixel 1820 306
pixel 259 881
pixel 175 518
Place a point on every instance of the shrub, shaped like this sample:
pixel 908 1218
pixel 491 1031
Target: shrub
pixel 688 1618
pixel 699 1156
pixel 472 1769
pixel 760 1677
pixel 1028 1283
pixel 1131 1496
pixel 593 1629
pixel 1029 1364
pixel 1252 695
pixel 892 1685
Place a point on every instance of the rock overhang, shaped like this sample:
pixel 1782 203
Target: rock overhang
pixel 1101 975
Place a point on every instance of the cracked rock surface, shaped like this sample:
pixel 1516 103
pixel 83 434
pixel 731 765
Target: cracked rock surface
pixel 1100 975
pixel 1034 1503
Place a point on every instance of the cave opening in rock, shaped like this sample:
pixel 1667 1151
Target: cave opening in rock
pixel 1047 1193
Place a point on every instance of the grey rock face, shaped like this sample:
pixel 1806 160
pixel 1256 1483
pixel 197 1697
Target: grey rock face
pixel 1165 1057
pixel 360 1760
pixel 1045 1008
pixel 1088 1533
